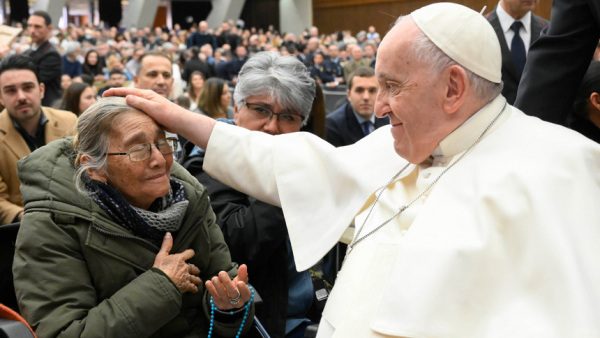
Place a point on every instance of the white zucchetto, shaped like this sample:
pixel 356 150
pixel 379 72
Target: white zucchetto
pixel 464 35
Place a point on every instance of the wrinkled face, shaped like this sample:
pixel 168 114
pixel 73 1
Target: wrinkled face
pixel 21 94
pixel 39 32
pixel 362 95
pixel 225 97
pixel 87 98
pixel 140 183
pixel 249 119
pixel 155 73
pixel 65 81
pixel 518 8
pixel 410 95
pixel 197 82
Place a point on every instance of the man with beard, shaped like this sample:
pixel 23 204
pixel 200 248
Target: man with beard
pixel 24 127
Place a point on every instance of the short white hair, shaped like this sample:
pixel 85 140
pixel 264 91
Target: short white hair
pixel 283 78
pixel 425 51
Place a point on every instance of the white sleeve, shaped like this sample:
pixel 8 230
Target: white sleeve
pixel 319 187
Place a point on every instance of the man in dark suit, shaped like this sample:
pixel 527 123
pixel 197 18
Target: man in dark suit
pixel 235 64
pixel 45 56
pixel 195 64
pixel 510 16
pixel 203 37
pixel 559 59
pixel 356 119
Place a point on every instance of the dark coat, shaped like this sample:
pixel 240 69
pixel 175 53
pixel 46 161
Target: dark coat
pixel 234 65
pixel 199 39
pixel 73 69
pixel 193 64
pixel 99 279
pixel 343 128
pixel 256 234
pixel 509 74
pixel 49 65
pixel 559 59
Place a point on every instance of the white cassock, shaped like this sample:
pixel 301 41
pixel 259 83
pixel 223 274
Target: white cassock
pixel 506 244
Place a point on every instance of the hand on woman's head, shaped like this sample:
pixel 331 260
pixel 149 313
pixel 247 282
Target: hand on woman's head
pixel 163 111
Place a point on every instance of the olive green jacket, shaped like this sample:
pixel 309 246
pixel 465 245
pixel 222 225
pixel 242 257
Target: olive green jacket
pixel 79 274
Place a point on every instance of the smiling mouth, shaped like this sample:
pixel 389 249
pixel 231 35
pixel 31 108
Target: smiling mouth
pixel 156 176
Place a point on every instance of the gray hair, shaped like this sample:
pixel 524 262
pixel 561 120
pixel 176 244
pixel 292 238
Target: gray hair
pixel 93 136
pixel 71 47
pixel 284 78
pixel 425 51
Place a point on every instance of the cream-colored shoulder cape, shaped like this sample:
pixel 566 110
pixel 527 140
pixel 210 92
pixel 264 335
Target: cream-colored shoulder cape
pixel 507 244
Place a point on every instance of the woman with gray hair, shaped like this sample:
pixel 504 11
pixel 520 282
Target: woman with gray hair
pixel 117 239
pixel 269 80
pixel 274 95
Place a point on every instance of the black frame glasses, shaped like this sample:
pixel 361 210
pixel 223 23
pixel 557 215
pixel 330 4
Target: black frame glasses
pixel 145 149
pixel 280 116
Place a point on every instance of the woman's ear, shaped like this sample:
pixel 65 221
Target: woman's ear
pixel 93 173
pixel 235 113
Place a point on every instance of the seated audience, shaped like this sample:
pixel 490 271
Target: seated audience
pixel 235 64
pixel 356 62
pixel 24 127
pixel 274 95
pixel 215 99
pixel 114 63
pixel 71 66
pixel 586 109
pixel 356 119
pixel 183 101
pixel 194 88
pixel 78 98
pixel 122 238
pixel 92 67
pixel 194 63
pixel 116 78
pixel 65 81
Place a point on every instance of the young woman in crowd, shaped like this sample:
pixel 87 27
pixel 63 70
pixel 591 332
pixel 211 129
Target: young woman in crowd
pixel 91 66
pixel 78 98
pixel 215 99
pixel 195 88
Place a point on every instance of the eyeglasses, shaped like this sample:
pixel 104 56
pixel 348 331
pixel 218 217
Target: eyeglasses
pixel 264 113
pixel 143 151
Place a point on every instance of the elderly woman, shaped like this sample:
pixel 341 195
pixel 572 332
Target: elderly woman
pixel 117 239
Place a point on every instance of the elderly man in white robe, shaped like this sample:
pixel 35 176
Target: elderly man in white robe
pixel 487 224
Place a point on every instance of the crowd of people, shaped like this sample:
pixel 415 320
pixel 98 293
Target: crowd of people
pixel 195 207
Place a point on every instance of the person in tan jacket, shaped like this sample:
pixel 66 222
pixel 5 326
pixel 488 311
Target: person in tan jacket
pixel 24 127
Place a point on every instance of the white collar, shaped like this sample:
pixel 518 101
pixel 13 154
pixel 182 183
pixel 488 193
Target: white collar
pixel 465 135
pixel 506 20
